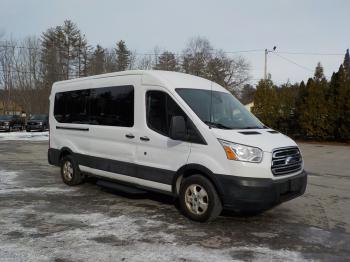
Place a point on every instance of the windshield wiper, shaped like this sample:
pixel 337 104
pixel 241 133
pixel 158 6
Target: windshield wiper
pixel 217 125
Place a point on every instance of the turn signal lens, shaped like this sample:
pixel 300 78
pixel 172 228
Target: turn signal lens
pixel 229 153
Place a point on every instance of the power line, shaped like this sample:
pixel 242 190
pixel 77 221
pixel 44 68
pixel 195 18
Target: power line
pixel 309 53
pixel 293 62
pixel 141 54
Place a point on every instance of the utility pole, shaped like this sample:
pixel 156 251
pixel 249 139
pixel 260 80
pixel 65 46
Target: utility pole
pixel 265 67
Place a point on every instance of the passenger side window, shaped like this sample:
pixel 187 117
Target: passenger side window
pixel 160 108
pixel 72 107
pixel 110 106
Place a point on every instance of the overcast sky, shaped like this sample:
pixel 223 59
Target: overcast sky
pixel 302 26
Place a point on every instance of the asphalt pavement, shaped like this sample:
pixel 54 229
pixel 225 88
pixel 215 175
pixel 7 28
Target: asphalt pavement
pixel 41 219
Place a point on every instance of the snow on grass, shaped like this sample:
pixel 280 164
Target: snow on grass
pixel 25 136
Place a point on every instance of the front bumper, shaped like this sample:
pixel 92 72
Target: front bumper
pixel 34 127
pixel 4 128
pixel 253 194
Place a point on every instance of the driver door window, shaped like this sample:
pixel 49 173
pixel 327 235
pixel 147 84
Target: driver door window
pixel 160 108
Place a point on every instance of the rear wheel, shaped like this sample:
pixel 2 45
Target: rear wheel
pixel 199 200
pixel 70 172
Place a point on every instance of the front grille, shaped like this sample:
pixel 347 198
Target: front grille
pixel 33 123
pixel 286 161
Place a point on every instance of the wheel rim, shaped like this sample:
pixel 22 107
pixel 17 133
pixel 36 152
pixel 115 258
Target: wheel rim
pixel 68 171
pixel 196 199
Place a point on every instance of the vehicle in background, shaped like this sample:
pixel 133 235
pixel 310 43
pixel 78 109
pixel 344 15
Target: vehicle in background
pixel 11 122
pixel 173 133
pixel 38 123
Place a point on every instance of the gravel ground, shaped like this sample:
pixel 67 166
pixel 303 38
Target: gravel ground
pixel 41 219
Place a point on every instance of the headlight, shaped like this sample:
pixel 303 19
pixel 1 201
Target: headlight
pixel 241 153
pixel 40 123
pixel 6 123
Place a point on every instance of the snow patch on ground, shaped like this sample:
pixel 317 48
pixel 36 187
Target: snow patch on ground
pixel 8 185
pixel 25 136
pixel 116 238
pixel 38 190
pixel 140 252
pixel 7 179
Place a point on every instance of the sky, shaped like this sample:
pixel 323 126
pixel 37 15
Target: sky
pixel 304 31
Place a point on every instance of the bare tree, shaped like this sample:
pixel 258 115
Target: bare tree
pixel 201 59
pixel 146 62
pixel 7 72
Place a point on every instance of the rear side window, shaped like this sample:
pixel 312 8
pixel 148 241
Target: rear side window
pixel 72 107
pixel 160 108
pixel 111 106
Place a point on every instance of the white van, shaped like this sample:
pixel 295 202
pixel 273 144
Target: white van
pixel 173 133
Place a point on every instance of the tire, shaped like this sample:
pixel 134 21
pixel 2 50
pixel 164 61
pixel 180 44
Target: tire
pixel 201 207
pixel 70 171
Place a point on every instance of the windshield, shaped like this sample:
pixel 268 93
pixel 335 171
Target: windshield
pixel 4 117
pixel 38 117
pixel 219 109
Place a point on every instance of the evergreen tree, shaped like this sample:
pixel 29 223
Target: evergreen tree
pixel 97 61
pixel 318 75
pixel 247 94
pixel 346 63
pixel 168 62
pixel 265 103
pixel 340 105
pixel 62 52
pixel 70 39
pixel 313 118
pixel 51 62
pixel 299 107
pixel 286 103
pixel 123 56
pixel 215 71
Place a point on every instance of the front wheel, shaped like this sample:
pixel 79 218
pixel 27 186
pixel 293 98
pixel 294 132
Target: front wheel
pixel 199 199
pixel 70 172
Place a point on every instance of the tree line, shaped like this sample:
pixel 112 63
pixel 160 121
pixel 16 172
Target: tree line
pixel 28 68
pixel 319 109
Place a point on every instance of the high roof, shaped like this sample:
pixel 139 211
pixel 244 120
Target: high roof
pixel 168 79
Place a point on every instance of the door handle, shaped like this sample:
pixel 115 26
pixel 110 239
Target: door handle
pixel 130 136
pixel 144 138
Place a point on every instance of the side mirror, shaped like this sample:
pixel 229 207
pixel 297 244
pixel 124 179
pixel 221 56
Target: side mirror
pixel 178 128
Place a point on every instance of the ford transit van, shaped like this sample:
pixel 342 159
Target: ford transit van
pixel 172 133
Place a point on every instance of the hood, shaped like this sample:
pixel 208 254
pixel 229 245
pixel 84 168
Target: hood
pixel 265 139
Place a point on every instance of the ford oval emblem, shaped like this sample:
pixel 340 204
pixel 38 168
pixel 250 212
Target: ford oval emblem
pixel 290 160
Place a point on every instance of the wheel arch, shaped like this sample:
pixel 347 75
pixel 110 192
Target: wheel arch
pixel 64 152
pixel 192 169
